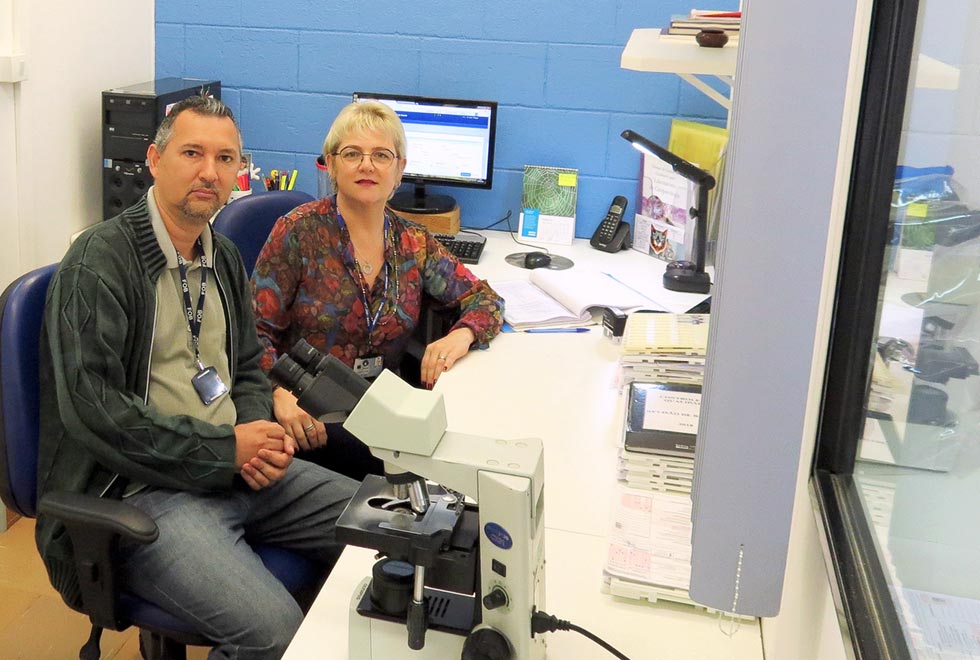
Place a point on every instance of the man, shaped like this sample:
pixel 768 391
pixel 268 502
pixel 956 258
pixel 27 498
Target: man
pixel 151 390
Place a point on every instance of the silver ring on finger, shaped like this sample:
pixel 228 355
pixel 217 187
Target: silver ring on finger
pixel 309 428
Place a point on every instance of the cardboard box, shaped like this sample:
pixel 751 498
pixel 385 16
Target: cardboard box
pixel 437 223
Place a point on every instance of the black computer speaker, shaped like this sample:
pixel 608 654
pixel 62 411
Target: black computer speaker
pixel 123 183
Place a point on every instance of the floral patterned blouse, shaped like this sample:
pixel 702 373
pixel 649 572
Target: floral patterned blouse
pixel 307 286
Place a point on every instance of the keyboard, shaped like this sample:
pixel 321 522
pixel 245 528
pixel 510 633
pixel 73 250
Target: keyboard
pixel 465 247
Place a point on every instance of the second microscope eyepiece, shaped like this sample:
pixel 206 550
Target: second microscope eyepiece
pixel 309 357
pixel 290 375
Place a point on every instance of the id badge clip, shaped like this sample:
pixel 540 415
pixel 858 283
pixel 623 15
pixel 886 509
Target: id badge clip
pixel 208 385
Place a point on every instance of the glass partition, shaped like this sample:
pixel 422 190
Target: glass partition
pixel 898 469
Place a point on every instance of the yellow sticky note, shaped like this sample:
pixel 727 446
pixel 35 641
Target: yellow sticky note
pixel 917 210
pixel 567 178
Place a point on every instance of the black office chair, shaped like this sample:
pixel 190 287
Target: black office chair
pixel 95 525
pixel 247 221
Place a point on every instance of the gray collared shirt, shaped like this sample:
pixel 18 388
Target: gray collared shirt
pixel 172 363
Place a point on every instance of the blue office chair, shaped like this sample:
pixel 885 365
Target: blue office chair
pixel 95 525
pixel 247 221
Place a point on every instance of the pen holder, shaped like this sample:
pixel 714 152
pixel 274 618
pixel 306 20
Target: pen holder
pixel 324 188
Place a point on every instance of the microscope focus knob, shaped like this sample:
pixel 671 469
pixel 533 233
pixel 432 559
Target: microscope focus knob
pixel 487 644
pixel 496 598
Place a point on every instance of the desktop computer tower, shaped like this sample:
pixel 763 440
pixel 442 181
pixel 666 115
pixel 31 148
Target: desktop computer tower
pixel 130 118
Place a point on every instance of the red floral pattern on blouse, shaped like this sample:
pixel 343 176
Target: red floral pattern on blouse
pixel 306 285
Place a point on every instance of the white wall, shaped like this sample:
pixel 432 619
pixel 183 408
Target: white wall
pixel 9 253
pixel 50 124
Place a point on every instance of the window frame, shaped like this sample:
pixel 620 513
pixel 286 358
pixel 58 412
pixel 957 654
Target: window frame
pixel 861 586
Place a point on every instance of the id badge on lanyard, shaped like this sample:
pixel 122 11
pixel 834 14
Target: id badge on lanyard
pixel 206 382
pixel 370 366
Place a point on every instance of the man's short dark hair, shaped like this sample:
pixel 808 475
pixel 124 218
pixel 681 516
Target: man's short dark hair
pixel 207 106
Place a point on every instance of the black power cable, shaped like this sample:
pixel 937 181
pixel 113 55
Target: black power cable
pixel 542 622
pixel 503 219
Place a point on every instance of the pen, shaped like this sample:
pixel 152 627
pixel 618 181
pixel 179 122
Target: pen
pixel 556 330
pixel 292 180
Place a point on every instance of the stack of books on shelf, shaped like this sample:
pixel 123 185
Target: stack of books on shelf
pixel 650 540
pixel 685 27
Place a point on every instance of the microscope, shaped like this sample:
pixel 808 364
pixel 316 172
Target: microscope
pixel 457 520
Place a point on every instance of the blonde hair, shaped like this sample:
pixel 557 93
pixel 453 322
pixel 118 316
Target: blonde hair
pixel 361 117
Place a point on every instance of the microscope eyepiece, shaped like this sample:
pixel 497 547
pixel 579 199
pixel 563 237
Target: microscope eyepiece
pixel 312 360
pixel 290 375
pixel 322 384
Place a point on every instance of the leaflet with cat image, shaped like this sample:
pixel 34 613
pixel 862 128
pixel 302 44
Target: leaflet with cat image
pixel 662 224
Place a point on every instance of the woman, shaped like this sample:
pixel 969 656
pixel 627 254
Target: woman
pixel 347 275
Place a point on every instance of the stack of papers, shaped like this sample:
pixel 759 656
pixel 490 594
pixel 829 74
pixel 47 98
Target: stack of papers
pixel 665 348
pixel 650 539
pixel 656 472
pixel 553 298
pixel 662 361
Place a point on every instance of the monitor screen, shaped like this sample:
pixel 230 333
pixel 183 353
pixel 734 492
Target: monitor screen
pixel 450 143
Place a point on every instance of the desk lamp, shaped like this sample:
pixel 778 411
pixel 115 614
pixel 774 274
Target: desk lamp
pixel 684 275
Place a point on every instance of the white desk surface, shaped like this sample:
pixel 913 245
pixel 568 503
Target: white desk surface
pixel 561 388
pixel 640 271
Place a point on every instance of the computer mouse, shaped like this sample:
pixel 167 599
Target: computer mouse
pixel 537 260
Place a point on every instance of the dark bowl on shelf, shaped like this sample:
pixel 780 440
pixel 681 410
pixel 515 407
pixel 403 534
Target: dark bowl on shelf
pixel 711 38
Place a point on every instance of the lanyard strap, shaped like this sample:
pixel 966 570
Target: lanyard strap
pixel 371 323
pixel 195 319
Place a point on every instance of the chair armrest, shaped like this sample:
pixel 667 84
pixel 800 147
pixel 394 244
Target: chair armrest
pixel 96 513
pixel 95 526
pixel 435 320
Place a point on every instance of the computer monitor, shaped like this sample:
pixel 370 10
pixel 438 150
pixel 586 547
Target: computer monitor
pixel 450 143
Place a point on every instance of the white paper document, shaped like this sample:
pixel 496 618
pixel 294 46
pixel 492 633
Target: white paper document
pixel 668 185
pixel 942 627
pixel 677 412
pixel 556 229
pixel 553 297
pixel 650 539
pixel 525 306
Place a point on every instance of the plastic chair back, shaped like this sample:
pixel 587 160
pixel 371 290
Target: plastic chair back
pixel 247 221
pixel 21 311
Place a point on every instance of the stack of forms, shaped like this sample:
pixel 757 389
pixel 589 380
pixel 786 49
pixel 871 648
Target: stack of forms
pixel 650 539
pixel 665 348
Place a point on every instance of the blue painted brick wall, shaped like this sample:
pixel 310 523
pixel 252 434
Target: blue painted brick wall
pixel 553 66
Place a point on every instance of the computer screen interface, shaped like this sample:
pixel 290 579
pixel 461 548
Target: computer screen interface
pixel 450 141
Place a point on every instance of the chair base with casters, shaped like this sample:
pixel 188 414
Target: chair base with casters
pixel 95 525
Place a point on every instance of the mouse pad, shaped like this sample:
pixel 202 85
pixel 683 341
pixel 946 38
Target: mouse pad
pixel 557 262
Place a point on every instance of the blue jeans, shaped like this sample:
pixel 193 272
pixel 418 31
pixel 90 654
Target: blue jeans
pixel 203 570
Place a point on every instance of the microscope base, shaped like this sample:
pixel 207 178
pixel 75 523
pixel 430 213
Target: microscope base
pixel 373 638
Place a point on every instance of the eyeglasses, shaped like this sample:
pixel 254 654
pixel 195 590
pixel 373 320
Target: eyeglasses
pixel 352 156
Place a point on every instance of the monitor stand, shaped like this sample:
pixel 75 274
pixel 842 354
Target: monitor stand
pixel 418 201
